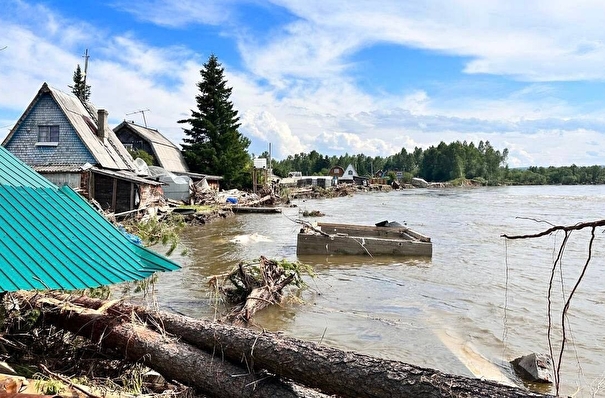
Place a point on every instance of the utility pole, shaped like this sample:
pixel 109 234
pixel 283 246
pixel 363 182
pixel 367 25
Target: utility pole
pixel 142 112
pixel 85 56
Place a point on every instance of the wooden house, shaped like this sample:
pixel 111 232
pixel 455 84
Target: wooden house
pixel 70 143
pixel 165 154
pixel 350 176
pixel 336 171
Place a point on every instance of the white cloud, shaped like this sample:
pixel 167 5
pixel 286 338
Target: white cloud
pixel 265 127
pixel 177 13
pixel 295 88
pixel 537 41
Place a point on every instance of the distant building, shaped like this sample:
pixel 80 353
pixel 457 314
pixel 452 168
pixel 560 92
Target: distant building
pixel 336 171
pixel 350 176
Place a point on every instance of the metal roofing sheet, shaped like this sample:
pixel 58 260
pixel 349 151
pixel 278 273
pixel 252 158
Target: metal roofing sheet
pixel 26 177
pixel 51 238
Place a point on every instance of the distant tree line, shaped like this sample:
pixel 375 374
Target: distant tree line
pixel 565 175
pixel 444 162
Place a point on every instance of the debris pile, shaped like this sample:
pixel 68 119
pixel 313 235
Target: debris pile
pixel 250 287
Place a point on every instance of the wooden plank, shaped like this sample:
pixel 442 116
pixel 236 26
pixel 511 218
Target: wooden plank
pixel 248 209
pixel 370 230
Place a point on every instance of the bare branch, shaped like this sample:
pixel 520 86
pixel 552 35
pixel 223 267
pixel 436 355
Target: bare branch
pixel 579 226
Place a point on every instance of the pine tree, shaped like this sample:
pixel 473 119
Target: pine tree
pixel 213 145
pixel 80 88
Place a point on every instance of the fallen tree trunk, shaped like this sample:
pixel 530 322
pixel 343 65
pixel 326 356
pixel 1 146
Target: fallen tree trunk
pixel 330 370
pixel 174 359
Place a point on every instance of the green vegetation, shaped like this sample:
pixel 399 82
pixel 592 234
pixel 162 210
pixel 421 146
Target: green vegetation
pixel 212 144
pixel 441 163
pixel 455 162
pixel 565 175
pixel 140 153
pixel 80 88
pixel 153 230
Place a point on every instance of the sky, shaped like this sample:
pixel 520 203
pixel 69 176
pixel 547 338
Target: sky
pixel 336 76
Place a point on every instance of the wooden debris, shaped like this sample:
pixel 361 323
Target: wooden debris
pixel 252 287
pixel 327 369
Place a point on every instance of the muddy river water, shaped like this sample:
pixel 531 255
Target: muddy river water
pixel 479 302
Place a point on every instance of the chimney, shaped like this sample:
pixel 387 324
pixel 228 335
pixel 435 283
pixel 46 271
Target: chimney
pixel 101 123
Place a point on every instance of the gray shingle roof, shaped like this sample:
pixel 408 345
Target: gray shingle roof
pixel 167 154
pixel 109 152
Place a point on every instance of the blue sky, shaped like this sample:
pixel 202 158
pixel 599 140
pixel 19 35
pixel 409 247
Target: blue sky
pixel 336 76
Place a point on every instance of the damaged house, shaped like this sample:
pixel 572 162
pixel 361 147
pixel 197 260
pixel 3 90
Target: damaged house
pixel 166 156
pixel 70 143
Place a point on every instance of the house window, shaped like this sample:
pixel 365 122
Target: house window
pixel 48 133
pixel 350 172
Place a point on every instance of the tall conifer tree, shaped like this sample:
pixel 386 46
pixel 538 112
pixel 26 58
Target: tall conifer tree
pixel 212 144
pixel 80 88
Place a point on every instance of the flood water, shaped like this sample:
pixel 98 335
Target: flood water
pixel 479 302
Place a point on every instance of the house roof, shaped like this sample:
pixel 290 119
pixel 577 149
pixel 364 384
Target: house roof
pixel 52 238
pixel 198 176
pixel 108 152
pixel 346 175
pixel 126 176
pixel 167 154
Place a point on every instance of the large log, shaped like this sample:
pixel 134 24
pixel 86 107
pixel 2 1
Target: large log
pixel 174 359
pixel 327 369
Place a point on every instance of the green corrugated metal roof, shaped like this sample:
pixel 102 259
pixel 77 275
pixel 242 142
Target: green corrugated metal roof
pixel 51 238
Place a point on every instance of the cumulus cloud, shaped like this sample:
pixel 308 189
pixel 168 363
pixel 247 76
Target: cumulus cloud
pixel 296 88
pixel 265 127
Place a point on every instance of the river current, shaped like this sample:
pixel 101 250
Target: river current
pixel 479 302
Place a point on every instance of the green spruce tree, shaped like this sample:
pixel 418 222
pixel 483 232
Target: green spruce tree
pixel 80 88
pixel 212 144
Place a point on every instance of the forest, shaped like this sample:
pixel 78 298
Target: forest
pixel 481 163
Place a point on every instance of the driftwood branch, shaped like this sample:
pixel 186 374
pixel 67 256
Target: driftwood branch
pixel 576 227
pixel 252 292
pixel 593 225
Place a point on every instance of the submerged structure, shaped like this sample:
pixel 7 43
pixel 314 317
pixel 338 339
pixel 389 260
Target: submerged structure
pixel 383 239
